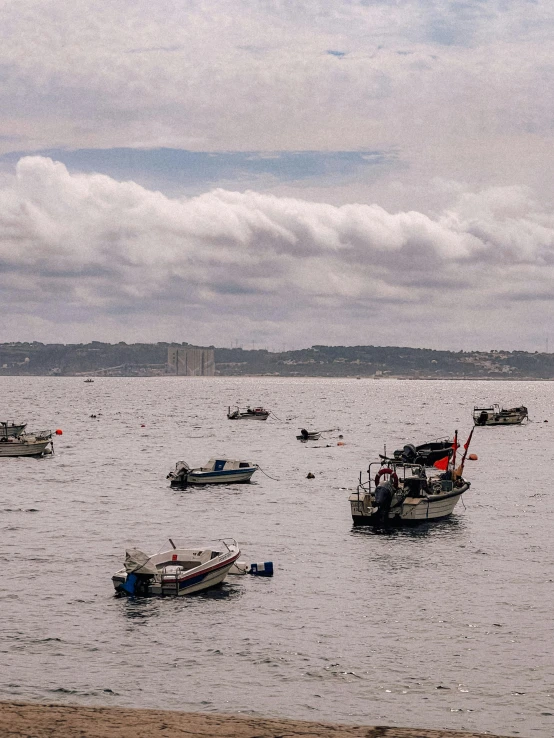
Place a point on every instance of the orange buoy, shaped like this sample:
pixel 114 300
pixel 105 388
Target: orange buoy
pixel 473 457
pixel 59 432
pixel 340 443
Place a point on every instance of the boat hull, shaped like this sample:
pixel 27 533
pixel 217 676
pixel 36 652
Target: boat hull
pixel 199 578
pixel 30 448
pixel 249 416
pixel 412 511
pixel 233 476
pixel 500 421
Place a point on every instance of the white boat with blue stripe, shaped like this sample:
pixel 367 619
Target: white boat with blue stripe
pixel 215 471
pixel 177 572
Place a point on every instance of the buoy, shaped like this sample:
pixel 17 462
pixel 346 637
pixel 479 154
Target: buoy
pixel 310 476
pixel 59 432
pixel 142 425
pixel 257 570
pixel 473 457
pixel 340 443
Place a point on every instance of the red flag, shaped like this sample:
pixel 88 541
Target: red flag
pixel 466 444
pixel 442 463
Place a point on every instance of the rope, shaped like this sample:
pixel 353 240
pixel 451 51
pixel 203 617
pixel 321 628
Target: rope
pixel 267 475
pixel 276 418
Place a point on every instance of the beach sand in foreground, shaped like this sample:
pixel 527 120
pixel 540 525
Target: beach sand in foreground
pixel 33 720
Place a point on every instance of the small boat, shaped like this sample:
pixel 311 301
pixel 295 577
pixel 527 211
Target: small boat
pixel 426 454
pixel 89 380
pixel 35 444
pixel 248 413
pixel 400 493
pixel 306 435
pixel 216 471
pixel 11 429
pixel 177 572
pixel 494 415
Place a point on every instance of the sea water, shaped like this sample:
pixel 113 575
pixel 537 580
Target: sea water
pixel 448 625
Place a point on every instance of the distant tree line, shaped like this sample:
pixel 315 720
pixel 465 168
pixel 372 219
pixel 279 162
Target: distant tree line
pixel 146 359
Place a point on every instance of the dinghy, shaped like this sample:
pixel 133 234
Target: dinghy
pixel 425 454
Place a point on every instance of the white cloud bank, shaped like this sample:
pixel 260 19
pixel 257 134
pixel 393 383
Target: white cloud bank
pixel 460 90
pixel 86 257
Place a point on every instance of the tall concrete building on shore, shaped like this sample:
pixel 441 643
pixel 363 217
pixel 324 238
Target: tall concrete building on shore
pixel 191 362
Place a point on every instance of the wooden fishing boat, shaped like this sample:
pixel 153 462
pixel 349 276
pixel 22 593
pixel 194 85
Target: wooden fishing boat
pixel 248 413
pixel 26 444
pixel 494 415
pixel 400 493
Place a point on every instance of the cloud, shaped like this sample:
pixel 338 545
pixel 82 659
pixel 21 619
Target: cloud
pixel 98 258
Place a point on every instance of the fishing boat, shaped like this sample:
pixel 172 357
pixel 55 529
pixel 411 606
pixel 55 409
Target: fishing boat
pixel 215 471
pixel 26 444
pixel 397 492
pixel 426 454
pixel 248 413
pixel 11 429
pixel 178 571
pixel 306 435
pixel 494 415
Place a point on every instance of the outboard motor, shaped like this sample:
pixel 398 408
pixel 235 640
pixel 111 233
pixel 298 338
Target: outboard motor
pixel 409 453
pixel 383 500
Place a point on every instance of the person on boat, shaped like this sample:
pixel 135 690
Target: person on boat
pixel 304 433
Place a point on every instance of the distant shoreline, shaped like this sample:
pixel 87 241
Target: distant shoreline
pixel 25 719
pixel 287 376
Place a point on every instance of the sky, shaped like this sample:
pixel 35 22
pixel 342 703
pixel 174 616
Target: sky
pixel 278 174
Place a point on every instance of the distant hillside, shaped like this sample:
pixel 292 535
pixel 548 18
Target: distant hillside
pixel 146 359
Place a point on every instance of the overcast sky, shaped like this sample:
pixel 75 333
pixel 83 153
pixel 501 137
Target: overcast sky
pixel 278 173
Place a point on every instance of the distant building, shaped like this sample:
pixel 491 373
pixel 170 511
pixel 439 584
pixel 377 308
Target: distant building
pixel 191 362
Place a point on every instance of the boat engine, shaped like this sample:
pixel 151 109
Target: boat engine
pixel 409 453
pixel 383 499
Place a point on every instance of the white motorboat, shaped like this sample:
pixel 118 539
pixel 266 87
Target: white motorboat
pixel 26 444
pixel 397 492
pixel 177 572
pixel 11 429
pixel 215 471
pixel 248 413
pixel 306 435
pixel 495 415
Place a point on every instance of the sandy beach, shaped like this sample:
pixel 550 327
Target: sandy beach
pixel 31 720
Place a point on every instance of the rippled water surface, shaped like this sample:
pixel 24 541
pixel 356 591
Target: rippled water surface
pixel 447 625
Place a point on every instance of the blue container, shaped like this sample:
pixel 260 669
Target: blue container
pixel 262 570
